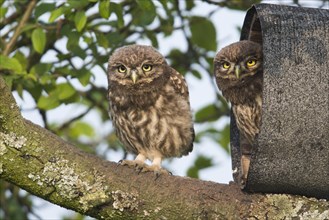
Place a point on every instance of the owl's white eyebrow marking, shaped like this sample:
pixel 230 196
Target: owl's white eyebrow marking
pixel 147 62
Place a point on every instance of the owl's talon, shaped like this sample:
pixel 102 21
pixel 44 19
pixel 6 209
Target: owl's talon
pixel 120 163
pixel 139 169
pixel 157 175
pixel 131 163
pixel 160 172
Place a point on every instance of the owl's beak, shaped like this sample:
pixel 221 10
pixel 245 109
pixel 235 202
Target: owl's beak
pixel 237 71
pixel 134 76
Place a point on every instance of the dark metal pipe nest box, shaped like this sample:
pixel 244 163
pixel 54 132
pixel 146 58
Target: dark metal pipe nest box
pixel 291 152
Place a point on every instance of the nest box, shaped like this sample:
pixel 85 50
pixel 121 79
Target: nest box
pixel 291 152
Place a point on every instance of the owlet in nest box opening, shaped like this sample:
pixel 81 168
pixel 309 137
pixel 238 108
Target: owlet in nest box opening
pixel 239 75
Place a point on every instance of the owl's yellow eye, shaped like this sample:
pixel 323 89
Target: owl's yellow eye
pixel 251 62
pixel 226 65
pixel 122 69
pixel 147 67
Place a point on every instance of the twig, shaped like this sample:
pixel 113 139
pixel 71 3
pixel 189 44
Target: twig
pixel 21 24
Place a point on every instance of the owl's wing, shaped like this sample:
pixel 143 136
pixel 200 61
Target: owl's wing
pixel 180 85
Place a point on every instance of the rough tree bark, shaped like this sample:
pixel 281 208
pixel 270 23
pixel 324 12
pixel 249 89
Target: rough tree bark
pixel 43 164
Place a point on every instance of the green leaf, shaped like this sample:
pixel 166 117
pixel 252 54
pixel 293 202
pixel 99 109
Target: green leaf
pixel 203 162
pixel 208 113
pixel 21 59
pixel 64 71
pixel 153 37
pixel 145 13
pixel 48 102
pixel 200 163
pixel 196 74
pixel 55 14
pixel 43 8
pixel 165 4
pixel 87 39
pixel 81 128
pixel 80 20
pixel 167 25
pixel 189 5
pixel 31 77
pixel 3 12
pixel 40 69
pixel 102 40
pixel 35 89
pixel 84 77
pixel 117 9
pixel 104 8
pixel 28 27
pixel 179 61
pixel 10 64
pixel 224 138
pixel 77 4
pixel 77 51
pixel 46 79
pixel 115 38
pixel 39 40
pixel 19 89
pixel 203 33
pixel 64 91
pixel 193 172
pixel 145 5
pixel 57 95
pixel 73 40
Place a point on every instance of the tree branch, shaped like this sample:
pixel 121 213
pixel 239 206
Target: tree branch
pixel 21 24
pixel 46 166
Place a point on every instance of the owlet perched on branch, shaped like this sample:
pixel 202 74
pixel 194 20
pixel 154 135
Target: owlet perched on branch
pixel 149 106
pixel 239 74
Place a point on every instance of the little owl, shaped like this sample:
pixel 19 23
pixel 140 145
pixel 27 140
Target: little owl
pixel 149 107
pixel 239 75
